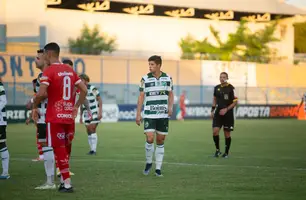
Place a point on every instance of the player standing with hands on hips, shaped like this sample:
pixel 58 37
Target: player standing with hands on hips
pixel 156 93
pixel 222 113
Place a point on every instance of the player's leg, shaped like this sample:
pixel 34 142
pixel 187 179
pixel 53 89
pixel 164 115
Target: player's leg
pixel 92 137
pixel 216 125
pixel 228 127
pixel 48 157
pixel 39 148
pixel 5 156
pixel 162 126
pixel 70 136
pixel 149 130
pixel 57 139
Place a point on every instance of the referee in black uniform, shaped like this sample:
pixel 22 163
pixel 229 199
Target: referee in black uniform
pixel 222 113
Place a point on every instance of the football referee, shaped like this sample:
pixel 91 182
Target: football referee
pixel 222 113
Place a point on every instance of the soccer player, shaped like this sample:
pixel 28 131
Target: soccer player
pixel 224 101
pixel 5 156
pixel 156 92
pixel 86 103
pixel 91 123
pixel 39 146
pixel 42 127
pixel 57 83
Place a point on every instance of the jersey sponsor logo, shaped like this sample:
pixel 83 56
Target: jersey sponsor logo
pixel 64 116
pixel 158 108
pixel 65 74
pixel 60 136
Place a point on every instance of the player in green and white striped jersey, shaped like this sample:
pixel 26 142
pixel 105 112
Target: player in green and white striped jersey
pixel 4 154
pixel 156 93
pixel 91 122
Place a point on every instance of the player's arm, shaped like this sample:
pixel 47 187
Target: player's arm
pixel 235 100
pixel 41 95
pixel 83 92
pixel 140 101
pixel 214 102
pixel 170 99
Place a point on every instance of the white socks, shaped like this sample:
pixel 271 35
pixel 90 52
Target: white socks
pixel 49 163
pixel 93 141
pixel 5 156
pixel 149 152
pixel 159 156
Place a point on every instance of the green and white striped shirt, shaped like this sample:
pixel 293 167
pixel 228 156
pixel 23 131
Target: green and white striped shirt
pixel 3 102
pixel 92 95
pixel 156 92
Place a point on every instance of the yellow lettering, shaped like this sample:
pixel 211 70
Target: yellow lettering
pixel 220 15
pixel 181 12
pixel 95 6
pixel 136 10
pixel 258 18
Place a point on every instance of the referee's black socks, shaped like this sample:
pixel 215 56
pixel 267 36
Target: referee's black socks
pixel 216 140
pixel 227 144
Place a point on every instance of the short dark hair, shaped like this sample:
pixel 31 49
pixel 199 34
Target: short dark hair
pixel 52 46
pixel 156 59
pixel 224 74
pixel 68 62
pixel 85 77
pixel 40 51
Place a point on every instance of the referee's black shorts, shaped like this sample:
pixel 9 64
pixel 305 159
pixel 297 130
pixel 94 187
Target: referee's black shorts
pixel 227 121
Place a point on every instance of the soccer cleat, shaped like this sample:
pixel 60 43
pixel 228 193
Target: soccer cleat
pixel 225 155
pixel 46 186
pixel 217 154
pixel 37 159
pixel 61 186
pixel 146 171
pixel 4 176
pixel 65 190
pixel 91 153
pixel 158 173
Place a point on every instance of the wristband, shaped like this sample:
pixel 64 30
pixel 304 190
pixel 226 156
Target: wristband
pixel 32 100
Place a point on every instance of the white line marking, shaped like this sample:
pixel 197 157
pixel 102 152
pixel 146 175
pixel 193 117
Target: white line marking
pixel 174 163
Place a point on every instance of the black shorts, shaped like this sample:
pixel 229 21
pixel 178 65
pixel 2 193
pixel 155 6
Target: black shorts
pixel 227 121
pixel 2 134
pixel 42 132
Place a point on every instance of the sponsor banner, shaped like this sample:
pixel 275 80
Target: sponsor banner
pixel 239 73
pixel 203 111
pixel 115 113
pixel 17 114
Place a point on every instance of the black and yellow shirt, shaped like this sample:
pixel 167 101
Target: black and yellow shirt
pixel 225 95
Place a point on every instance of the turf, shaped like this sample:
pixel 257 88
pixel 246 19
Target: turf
pixel 267 161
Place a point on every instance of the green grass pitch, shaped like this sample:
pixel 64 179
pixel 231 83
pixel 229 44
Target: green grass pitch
pixel 267 161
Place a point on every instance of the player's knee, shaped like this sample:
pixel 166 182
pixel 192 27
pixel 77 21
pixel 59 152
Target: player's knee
pixel 215 132
pixel 150 139
pixel 227 133
pixel 2 145
pixel 43 144
pixel 160 139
